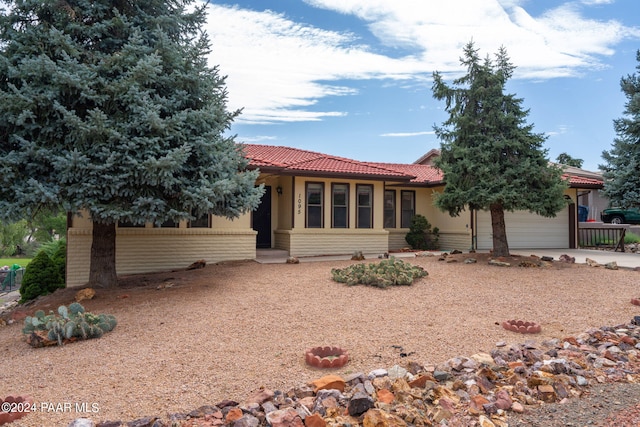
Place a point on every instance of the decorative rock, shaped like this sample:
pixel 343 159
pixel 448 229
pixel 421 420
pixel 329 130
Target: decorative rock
pixel 197 264
pixel 233 415
pixel 568 259
pixel 396 372
pixel 293 260
pixel 385 396
pixel 359 404
pixel 86 293
pixel 635 301
pixel 485 422
pixel 470 261
pixel 378 373
pixel 483 359
pixel 329 382
pixel 611 265
pixel 548 258
pixel 379 418
pixel 499 263
pixel 82 422
pixel 260 396
pixel 503 400
pixel 288 417
pixel 247 420
pixel 315 420
pixel 592 263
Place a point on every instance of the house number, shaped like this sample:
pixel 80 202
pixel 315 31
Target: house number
pixel 299 204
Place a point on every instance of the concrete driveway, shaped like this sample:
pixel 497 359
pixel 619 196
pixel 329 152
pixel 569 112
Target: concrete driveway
pixel 623 259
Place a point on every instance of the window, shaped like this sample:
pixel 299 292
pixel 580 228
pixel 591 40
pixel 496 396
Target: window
pixel 168 224
pixel 364 201
pixel 129 224
pixel 315 192
pixel 408 208
pixel 389 208
pixel 203 221
pixel 340 205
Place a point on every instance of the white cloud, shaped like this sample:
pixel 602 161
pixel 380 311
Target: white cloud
pixel 279 69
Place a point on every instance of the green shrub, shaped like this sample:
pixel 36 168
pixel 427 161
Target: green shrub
pixel 70 323
pixel 630 238
pixel 390 272
pixel 420 235
pixel 41 277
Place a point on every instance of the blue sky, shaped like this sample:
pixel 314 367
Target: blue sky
pixel 352 78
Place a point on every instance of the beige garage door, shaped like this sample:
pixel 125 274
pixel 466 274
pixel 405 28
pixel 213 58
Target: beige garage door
pixel 527 230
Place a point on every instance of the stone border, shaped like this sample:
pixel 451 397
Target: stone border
pixel 521 326
pixel 326 357
pixel 20 402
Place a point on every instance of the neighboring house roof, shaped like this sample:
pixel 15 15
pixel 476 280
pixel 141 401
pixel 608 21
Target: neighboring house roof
pixel 294 161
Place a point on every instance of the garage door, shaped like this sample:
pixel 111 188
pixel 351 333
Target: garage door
pixel 527 230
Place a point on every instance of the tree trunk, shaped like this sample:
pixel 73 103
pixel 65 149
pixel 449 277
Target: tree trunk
pixel 499 229
pixel 102 271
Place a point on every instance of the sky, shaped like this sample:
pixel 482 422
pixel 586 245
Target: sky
pixel 353 78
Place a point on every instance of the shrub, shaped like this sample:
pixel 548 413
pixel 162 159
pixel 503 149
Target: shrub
pixel 41 277
pixel 71 323
pixel 389 272
pixel 420 235
pixel 630 238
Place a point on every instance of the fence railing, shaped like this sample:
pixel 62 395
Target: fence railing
pixel 610 237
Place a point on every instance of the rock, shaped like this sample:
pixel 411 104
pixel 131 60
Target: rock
pixel 611 265
pixel 470 260
pixel 379 418
pixel 483 359
pixel 359 404
pixel 198 264
pixel 86 293
pixel 592 263
pixel 547 258
pixel 288 417
pixel 246 420
pixel 329 382
pixel 485 422
pixel 499 263
pixel 567 259
pixel 396 372
pixel 503 400
pixel 293 260
pixel 385 396
pixel 260 396
pixel 315 420
pixel 82 422
pixel 233 415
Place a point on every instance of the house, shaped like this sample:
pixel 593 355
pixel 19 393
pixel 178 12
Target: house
pixel 319 204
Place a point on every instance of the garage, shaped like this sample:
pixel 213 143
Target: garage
pixel 526 230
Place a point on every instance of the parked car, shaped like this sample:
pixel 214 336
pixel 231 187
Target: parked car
pixel 621 216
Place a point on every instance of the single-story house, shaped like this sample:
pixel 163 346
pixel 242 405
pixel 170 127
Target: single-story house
pixel 319 204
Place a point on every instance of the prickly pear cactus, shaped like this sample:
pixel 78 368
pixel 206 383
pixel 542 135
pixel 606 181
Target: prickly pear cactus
pixel 69 324
pixel 389 272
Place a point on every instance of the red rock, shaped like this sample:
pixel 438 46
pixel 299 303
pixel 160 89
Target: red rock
pixel 233 415
pixel 420 381
pixel 284 418
pixel 571 340
pixel 314 420
pixel 260 396
pixel 475 404
pixel 385 396
pixel 329 382
pixel 503 400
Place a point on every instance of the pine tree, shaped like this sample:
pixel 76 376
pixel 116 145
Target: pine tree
pixel 109 106
pixel 622 170
pixel 490 157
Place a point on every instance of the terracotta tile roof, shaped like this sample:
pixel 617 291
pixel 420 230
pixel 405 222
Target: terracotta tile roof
pixel 424 174
pixel 294 161
pixel 287 160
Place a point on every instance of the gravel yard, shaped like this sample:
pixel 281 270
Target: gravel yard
pixel 190 338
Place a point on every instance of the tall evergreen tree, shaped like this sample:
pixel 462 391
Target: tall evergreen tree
pixel 565 159
pixel 109 106
pixel 490 157
pixel 622 169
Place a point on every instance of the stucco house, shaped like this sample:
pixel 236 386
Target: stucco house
pixel 319 204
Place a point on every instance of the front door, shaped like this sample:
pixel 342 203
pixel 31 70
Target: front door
pixel 262 220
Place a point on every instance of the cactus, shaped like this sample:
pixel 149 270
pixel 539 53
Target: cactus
pixel 383 274
pixel 69 322
pixel 76 308
pixel 62 311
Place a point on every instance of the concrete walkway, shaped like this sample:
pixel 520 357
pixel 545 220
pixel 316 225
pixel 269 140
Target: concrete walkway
pixel 623 259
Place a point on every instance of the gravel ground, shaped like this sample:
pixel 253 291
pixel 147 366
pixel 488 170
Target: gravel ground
pixel 228 329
